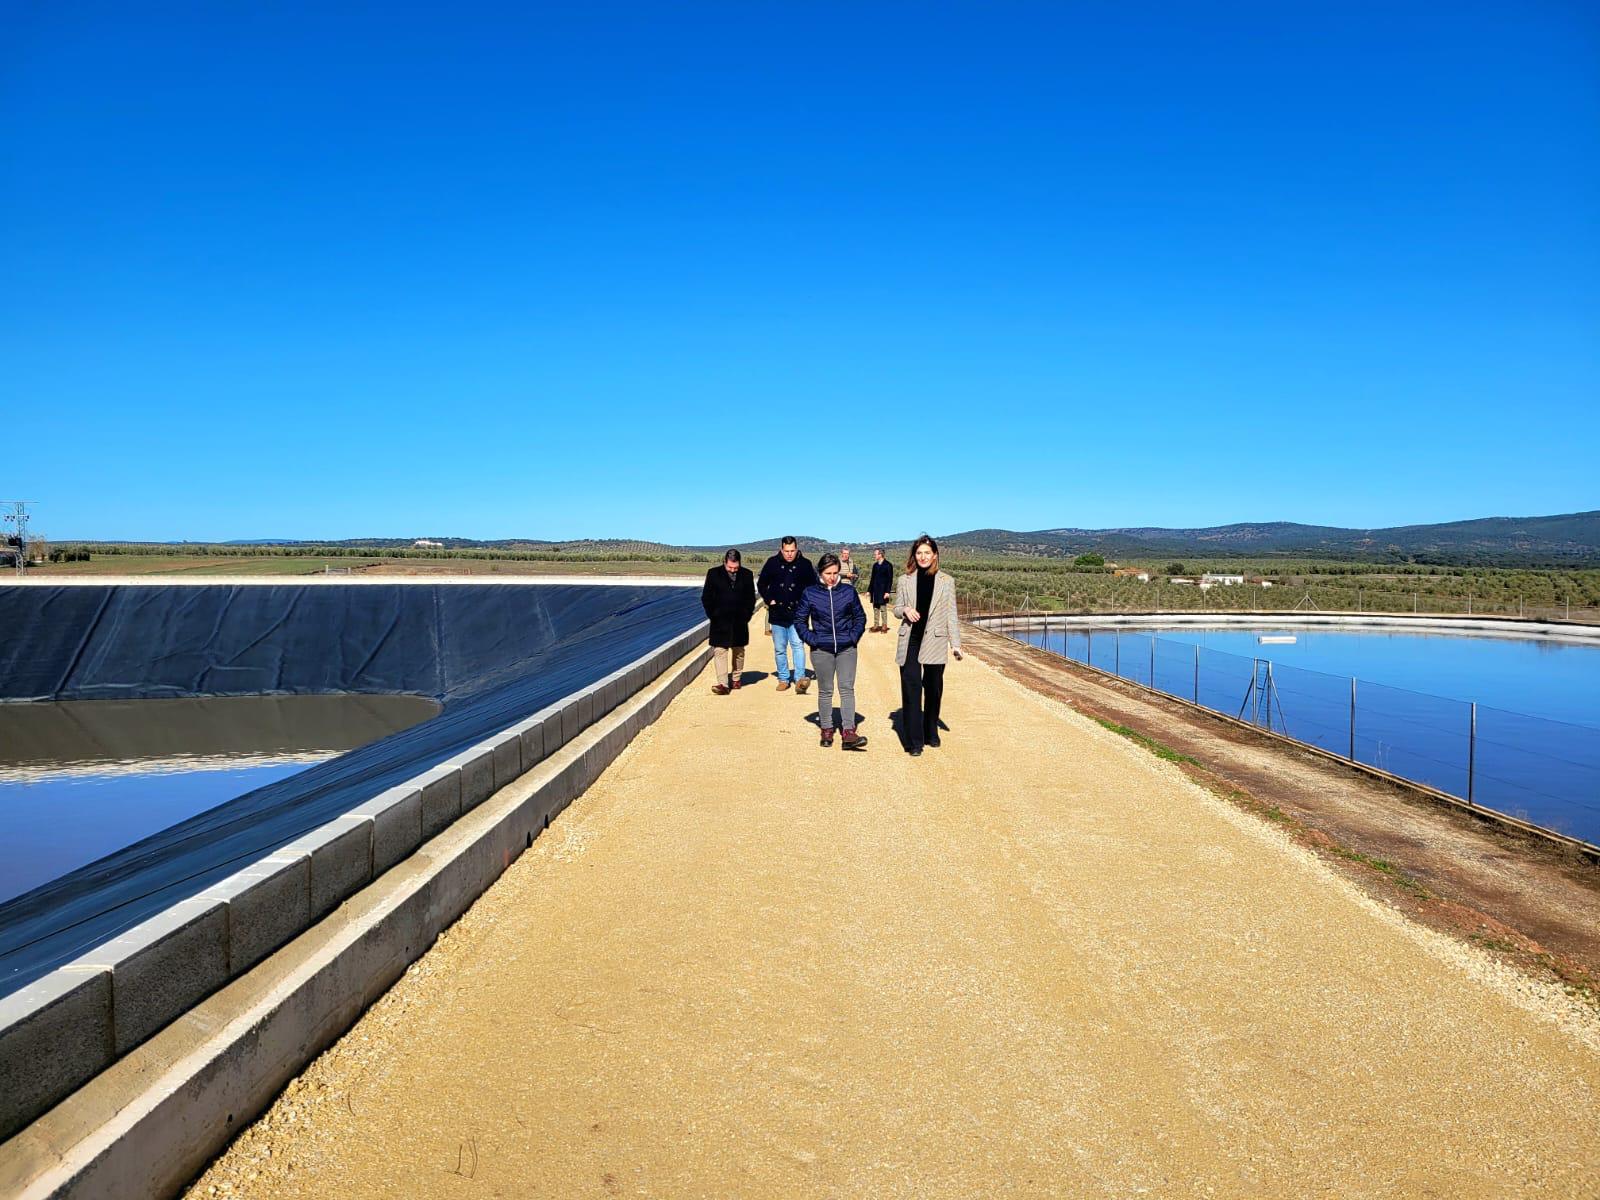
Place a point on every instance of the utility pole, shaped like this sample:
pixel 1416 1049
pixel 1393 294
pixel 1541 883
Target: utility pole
pixel 16 514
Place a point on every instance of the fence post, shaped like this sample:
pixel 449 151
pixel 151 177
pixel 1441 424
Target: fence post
pixel 1352 718
pixel 1413 604
pixel 1197 672
pixel 1472 753
pixel 1270 691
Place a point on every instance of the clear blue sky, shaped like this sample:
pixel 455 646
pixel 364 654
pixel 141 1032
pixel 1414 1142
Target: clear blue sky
pixel 708 272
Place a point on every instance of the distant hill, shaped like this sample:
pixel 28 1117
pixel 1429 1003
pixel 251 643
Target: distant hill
pixel 1569 539
pixel 1564 540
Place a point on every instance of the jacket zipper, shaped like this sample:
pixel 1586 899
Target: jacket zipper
pixel 833 622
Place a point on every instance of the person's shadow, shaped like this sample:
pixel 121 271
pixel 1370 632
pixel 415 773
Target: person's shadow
pixel 746 678
pixel 838 720
pixel 897 723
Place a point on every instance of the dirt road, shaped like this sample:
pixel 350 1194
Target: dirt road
pixel 1035 962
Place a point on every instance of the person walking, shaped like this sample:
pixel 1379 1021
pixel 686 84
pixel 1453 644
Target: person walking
pixel 729 599
pixel 830 619
pixel 783 578
pixel 925 602
pixel 881 588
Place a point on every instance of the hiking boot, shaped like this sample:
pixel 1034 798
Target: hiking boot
pixel 800 685
pixel 718 690
pixel 827 738
pixel 783 685
pixel 738 682
pixel 850 741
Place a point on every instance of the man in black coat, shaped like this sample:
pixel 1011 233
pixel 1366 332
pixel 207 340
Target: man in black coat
pixel 881 590
pixel 785 576
pixel 729 599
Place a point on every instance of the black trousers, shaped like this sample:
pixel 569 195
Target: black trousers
pixel 921 691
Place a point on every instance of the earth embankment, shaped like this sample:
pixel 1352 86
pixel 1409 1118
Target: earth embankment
pixel 1036 961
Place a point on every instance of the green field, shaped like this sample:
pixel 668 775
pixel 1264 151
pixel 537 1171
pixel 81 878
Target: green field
pixel 1315 585
pixel 988 582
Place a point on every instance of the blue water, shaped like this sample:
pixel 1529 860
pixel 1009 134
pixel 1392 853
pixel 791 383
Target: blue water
pixel 1535 753
pixel 82 779
pixel 58 823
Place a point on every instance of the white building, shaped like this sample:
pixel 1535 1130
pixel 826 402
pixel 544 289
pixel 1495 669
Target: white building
pixel 425 544
pixel 1223 579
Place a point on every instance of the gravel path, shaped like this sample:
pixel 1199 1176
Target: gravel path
pixel 1037 961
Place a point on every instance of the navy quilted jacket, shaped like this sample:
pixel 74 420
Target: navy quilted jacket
pixel 830 619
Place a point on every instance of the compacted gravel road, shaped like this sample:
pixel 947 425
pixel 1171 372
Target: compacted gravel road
pixel 1037 961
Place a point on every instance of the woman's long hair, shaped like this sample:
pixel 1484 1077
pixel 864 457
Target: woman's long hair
pixel 911 558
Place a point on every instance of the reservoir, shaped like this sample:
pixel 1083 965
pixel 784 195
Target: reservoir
pixel 1513 723
pixel 81 779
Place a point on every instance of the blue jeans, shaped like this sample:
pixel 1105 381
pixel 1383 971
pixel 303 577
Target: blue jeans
pixel 784 636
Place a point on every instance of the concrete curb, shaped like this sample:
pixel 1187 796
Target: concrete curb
pixel 60 1031
pixel 150 1123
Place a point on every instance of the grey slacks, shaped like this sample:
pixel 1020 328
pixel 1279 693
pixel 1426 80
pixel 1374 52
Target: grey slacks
pixel 831 667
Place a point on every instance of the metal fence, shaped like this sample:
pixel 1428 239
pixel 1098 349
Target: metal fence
pixel 1534 769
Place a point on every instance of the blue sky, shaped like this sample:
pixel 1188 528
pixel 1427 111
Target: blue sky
pixel 704 273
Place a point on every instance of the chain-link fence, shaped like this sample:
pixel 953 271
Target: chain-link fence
pixel 1537 770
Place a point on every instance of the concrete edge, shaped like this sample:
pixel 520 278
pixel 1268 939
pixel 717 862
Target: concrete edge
pixel 150 1122
pixel 160 968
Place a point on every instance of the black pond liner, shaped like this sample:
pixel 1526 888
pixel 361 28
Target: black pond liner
pixel 490 654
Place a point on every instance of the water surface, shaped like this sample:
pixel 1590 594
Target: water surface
pixel 81 779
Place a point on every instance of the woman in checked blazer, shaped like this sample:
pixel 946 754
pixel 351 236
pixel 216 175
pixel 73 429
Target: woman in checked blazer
pixel 925 602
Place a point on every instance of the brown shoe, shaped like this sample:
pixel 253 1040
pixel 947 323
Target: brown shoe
pixel 738 683
pixel 827 738
pixel 800 685
pixel 718 690
pixel 852 742
pixel 783 685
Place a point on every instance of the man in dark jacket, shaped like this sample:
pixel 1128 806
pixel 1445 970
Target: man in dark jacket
pixel 785 575
pixel 881 589
pixel 729 598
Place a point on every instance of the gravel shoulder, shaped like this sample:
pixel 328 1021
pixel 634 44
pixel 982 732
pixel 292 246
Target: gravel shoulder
pixel 1532 903
pixel 1038 961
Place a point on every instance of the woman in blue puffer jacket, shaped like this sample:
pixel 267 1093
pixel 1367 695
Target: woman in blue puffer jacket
pixel 830 619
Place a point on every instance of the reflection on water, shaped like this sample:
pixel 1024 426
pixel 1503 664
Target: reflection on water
pixel 79 780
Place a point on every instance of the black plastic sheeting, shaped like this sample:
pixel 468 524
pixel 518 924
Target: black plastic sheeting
pixel 491 654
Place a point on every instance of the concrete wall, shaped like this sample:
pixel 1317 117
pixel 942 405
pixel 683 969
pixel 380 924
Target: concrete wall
pixel 63 1030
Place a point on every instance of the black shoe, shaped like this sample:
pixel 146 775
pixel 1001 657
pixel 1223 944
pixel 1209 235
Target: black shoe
pixel 914 751
pixel 933 743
